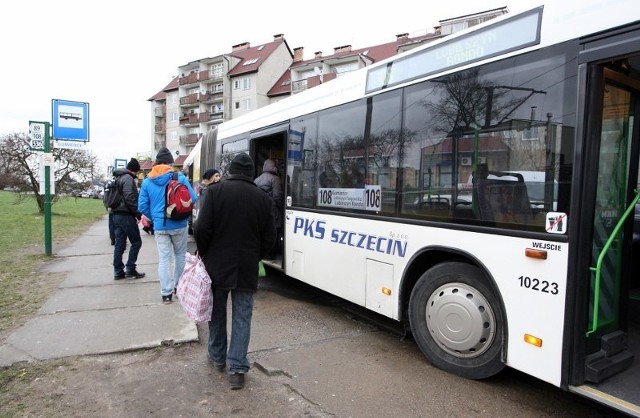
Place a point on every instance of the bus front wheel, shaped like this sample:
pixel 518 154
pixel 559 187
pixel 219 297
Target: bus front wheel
pixel 457 322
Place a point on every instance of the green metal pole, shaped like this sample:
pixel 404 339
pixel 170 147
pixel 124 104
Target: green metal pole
pixel 47 194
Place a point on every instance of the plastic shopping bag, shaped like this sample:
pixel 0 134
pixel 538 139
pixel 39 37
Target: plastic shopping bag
pixel 194 290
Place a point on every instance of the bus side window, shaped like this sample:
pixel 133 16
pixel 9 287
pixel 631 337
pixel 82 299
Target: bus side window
pixel 503 201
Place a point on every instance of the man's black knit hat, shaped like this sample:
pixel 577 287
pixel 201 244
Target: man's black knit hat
pixel 242 164
pixel 133 165
pixel 164 156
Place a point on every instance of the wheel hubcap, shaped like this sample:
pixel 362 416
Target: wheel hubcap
pixel 460 320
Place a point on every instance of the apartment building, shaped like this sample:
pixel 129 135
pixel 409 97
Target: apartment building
pixel 211 90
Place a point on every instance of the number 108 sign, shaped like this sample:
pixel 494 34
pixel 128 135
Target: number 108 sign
pixel 37 135
pixel 367 198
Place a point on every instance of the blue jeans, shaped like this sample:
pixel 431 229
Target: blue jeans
pixel 171 243
pixel 242 310
pixel 125 226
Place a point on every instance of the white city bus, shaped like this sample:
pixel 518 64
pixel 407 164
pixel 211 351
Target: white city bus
pixel 379 211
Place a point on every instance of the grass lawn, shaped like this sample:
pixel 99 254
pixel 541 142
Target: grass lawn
pixel 22 251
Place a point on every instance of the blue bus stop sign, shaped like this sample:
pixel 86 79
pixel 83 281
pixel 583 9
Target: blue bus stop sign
pixel 70 120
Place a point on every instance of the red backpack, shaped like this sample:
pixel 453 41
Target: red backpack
pixel 178 204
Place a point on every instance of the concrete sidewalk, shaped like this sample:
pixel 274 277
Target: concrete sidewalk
pixel 91 313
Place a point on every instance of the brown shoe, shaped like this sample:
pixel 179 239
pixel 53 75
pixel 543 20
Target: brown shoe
pixel 236 380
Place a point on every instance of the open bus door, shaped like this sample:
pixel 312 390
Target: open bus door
pixel 271 144
pixel 606 356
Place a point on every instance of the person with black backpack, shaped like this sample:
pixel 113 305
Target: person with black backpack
pixel 123 201
pixel 167 199
pixel 105 200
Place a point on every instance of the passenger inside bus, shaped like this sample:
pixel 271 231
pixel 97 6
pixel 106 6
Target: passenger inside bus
pixel 269 181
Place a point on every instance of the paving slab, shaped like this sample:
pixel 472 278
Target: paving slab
pixel 91 313
pixel 99 331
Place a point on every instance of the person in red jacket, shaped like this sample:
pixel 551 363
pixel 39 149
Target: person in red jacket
pixel 234 231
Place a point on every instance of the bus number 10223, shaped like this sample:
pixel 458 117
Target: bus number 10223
pixel 538 285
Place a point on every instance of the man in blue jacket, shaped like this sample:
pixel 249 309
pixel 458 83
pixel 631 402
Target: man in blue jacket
pixel 171 235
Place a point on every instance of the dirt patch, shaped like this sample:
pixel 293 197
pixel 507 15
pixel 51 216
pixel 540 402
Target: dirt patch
pixel 167 381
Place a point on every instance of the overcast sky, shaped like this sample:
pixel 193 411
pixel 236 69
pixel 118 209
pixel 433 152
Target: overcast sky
pixel 115 55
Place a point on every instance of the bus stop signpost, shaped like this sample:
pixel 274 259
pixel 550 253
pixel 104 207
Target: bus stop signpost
pixel 70 127
pixel 39 140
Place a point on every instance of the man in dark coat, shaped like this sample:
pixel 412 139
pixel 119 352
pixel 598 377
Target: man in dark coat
pixel 234 231
pixel 125 221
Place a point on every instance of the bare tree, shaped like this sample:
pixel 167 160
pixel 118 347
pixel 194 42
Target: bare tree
pixel 70 167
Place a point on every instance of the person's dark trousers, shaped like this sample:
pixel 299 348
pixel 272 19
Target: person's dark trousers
pixel 238 344
pixel 126 226
pixel 112 229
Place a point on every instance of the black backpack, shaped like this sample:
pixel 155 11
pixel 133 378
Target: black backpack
pixel 113 194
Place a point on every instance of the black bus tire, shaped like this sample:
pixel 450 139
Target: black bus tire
pixel 457 321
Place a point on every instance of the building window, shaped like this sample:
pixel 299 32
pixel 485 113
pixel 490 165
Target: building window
pixel 237 105
pixel 174 116
pixel 244 84
pixel 174 98
pixel 246 104
pixel 216 70
pixel 174 135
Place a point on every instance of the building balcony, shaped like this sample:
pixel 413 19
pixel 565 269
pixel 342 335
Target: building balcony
pixel 216 76
pixel 298 86
pixel 211 117
pixel 190 139
pixel 208 97
pixel 190 119
pixel 310 82
pixel 195 77
pixel 216 96
pixel 191 78
pixel 203 76
pixel 216 117
pixel 160 127
pixel 159 143
pixel 160 111
pixel 189 100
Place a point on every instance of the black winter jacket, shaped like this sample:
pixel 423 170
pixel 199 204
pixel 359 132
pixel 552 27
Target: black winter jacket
pixel 126 181
pixel 234 231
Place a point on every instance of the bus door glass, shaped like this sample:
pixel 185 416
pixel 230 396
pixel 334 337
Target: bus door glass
pixel 612 278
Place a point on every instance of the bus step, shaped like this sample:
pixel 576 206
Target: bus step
pixel 610 360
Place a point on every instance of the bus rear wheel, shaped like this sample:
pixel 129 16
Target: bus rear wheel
pixel 457 322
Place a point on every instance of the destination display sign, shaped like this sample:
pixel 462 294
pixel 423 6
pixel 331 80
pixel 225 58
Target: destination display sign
pixel 510 34
pixel 367 198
